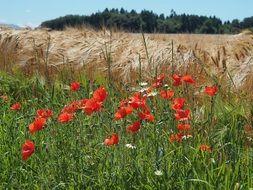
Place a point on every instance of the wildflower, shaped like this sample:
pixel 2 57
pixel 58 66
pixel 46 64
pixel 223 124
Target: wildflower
pixel 167 94
pixel 74 86
pixel 123 112
pixel 188 79
pixel 130 146
pixel 159 81
pixel 178 103
pixel 177 80
pixel 176 137
pixel 158 172
pixel 137 101
pixel 92 105
pixel 205 147
pixel 187 136
pixel 143 84
pixel 44 113
pixel 182 115
pixel 211 90
pixel 135 127
pixel 72 107
pixel 100 94
pixel 114 139
pixel 37 125
pixel 16 106
pixel 65 117
pixel 183 127
pixel 146 115
pixel 28 149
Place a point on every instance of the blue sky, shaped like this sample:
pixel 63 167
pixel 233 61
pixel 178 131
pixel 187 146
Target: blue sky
pixel 33 12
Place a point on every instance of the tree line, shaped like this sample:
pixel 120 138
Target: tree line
pixel 149 22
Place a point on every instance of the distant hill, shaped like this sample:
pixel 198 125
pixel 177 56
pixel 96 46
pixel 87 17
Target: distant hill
pixel 12 26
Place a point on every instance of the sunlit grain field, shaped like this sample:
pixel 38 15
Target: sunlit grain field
pixel 82 109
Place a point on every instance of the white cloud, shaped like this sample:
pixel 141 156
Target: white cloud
pixel 28 11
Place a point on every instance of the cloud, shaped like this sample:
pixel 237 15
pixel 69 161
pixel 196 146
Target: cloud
pixel 28 11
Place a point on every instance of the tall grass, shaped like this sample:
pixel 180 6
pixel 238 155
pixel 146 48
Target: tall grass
pixel 73 156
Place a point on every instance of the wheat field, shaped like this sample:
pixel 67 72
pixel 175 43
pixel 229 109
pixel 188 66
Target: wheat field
pixel 93 50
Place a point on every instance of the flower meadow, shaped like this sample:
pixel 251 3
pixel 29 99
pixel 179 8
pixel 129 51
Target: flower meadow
pixel 173 132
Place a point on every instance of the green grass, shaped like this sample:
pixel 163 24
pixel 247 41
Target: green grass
pixel 73 156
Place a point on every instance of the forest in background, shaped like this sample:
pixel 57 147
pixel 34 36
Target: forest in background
pixel 150 22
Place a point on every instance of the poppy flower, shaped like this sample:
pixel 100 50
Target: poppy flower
pixel 176 137
pixel 137 101
pixel 205 147
pixel 28 149
pixel 183 127
pixel 123 103
pixel 100 94
pixel 182 115
pixel 188 79
pixel 74 86
pixel 114 139
pixel 65 117
pixel 167 94
pixel 37 125
pixel 16 106
pixel 177 80
pixel 92 105
pixel 146 115
pixel 134 128
pixel 123 112
pixel 159 81
pixel 72 107
pixel 178 103
pixel 211 90
pixel 44 113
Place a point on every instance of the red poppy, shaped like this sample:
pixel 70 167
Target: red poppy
pixel 123 112
pixel 137 101
pixel 82 102
pixel 100 94
pixel 176 137
pixel 72 107
pixel 123 103
pixel 188 79
pixel 16 106
pixel 65 117
pixel 28 149
pixel 167 94
pixel 211 90
pixel 183 127
pixel 74 86
pixel 177 80
pixel 205 147
pixel 134 128
pixel 178 103
pixel 92 105
pixel 159 81
pixel 37 125
pixel 44 113
pixel 114 139
pixel 182 115
pixel 146 115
